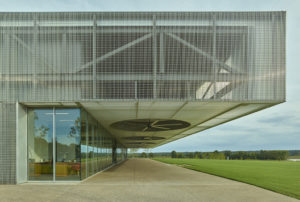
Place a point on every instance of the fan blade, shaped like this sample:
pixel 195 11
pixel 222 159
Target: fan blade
pixel 136 123
pixel 145 129
pixel 152 124
pixel 170 124
pixel 159 127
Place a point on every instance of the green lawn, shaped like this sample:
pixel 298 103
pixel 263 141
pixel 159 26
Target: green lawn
pixel 279 176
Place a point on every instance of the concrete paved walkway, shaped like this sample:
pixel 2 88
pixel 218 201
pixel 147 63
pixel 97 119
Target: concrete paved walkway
pixel 143 180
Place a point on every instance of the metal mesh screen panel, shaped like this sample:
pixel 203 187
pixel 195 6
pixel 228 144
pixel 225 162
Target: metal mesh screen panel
pixel 238 56
pixel 7 143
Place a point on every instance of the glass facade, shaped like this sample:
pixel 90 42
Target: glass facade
pixel 82 147
pixel 67 150
pixel 97 147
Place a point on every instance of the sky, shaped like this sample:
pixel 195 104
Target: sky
pixel 277 127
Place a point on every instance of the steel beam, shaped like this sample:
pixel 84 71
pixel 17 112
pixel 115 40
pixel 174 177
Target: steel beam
pixel 116 29
pixel 32 52
pixel 114 52
pixel 222 77
pixel 179 109
pixel 201 52
pixel 224 90
pixel 208 88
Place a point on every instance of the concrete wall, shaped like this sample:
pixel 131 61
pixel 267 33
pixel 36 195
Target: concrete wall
pixel 21 144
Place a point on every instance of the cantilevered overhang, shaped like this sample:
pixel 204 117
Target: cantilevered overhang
pixel 199 116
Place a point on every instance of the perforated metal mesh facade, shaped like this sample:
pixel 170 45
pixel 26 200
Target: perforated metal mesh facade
pixel 7 143
pixel 184 56
pixel 168 56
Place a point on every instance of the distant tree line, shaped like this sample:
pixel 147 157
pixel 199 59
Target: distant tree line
pixel 259 155
pixel 294 152
pixel 234 155
pixel 239 155
pixel 147 155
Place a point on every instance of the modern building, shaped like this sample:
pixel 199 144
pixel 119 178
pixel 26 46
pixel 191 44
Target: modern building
pixel 77 89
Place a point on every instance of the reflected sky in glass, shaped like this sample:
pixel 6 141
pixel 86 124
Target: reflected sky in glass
pixel 43 123
pixel 68 126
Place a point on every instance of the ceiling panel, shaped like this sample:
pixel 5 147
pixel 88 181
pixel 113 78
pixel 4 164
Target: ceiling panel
pixel 201 115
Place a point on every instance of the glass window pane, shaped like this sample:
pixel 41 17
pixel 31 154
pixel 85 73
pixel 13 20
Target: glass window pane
pixel 90 146
pixel 40 144
pixel 83 145
pixel 67 132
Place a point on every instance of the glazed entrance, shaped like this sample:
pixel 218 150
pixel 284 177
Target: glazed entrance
pixel 68 144
pixel 58 161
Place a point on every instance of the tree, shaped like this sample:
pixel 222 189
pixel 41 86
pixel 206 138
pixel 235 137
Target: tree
pixel 190 155
pixel 197 155
pixel 43 130
pixel 173 154
pixel 180 155
pixel 227 154
pixel 132 153
pixel 150 155
pixel 144 155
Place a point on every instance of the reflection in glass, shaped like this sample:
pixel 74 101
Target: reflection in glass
pixel 67 133
pixel 90 146
pixel 84 145
pixel 40 144
pixel 95 149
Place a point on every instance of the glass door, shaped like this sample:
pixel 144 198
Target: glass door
pixel 59 161
pixel 40 144
pixel 67 135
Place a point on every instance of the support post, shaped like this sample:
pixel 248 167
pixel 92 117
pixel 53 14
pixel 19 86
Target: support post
pixel 21 144
pixel 94 56
pixel 161 53
pixel 135 90
pixel 64 63
pixel 54 144
pixel 64 50
pixel 275 61
pixel 154 56
pixel 87 144
pixel 35 55
pixel 214 55
pixel 6 64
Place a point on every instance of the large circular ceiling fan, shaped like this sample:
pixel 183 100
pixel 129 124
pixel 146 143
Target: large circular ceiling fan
pixel 144 138
pixel 150 125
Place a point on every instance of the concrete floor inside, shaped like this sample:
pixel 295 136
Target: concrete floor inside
pixel 142 180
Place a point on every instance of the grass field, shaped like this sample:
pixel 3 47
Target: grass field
pixel 279 176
